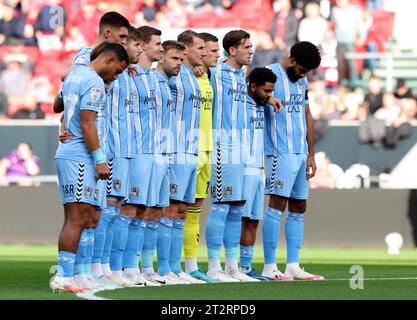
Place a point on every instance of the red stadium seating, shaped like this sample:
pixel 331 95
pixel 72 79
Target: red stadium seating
pixel 202 20
pixel 228 20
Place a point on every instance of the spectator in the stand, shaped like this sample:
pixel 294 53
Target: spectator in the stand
pixel 374 96
pixel 313 27
pixel 409 107
pixel 20 163
pixel 284 27
pixel 371 129
pixel 30 108
pixel 396 120
pixel 266 52
pixel 176 14
pixel 50 25
pixel 347 19
pixel 402 90
pixel 352 101
pixel 87 20
pixel 44 92
pixel 74 40
pixel 332 109
pixel 329 60
pixel 149 8
pixel 12 23
pixel 14 80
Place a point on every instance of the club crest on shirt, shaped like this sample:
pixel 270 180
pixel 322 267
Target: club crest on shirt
pixel 134 192
pixel 173 188
pixel 228 191
pixel 117 184
pixel 280 185
pixel 88 192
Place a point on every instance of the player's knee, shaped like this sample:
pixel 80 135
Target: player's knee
pixel 297 206
pixel 277 203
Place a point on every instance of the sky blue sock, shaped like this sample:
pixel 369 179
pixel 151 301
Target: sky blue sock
pixel 105 258
pixel 136 230
pixel 215 229
pixel 232 231
pixel 246 257
pixel 81 253
pixel 89 252
pixel 163 246
pixel 65 264
pixel 120 234
pixel 100 234
pixel 270 234
pixel 150 239
pixel 177 241
pixel 294 228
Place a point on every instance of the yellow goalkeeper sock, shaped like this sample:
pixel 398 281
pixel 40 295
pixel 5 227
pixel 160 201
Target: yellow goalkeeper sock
pixel 191 232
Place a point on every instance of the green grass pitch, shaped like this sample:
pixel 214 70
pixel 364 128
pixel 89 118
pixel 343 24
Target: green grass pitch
pixel 25 274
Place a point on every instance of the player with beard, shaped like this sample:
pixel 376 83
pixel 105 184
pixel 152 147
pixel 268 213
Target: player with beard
pixel 289 150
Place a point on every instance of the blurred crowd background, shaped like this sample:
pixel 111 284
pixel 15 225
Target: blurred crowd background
pixel 365 76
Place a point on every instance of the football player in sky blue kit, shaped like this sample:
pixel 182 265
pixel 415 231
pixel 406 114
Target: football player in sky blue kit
pixel 168 66
pixel 119 151
pixel 183 169
pixel 260 89
pixel 229 123
pixel 81 161
pixel 289 150
pixel 113 28
pixel 144 176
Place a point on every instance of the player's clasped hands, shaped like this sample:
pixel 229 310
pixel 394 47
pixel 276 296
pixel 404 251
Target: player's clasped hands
pixel 103 171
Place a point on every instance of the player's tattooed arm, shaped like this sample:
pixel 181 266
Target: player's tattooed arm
pixel 90 135
pixel 311 163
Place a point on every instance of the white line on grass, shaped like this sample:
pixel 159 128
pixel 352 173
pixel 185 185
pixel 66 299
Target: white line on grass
pixel 356 279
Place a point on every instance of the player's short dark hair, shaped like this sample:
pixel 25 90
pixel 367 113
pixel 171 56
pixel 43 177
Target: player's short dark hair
pixel 306 54
pixel 106 47
pixel 209 37
pixel 187 37
pixel 146 33
pixel 234 39
pixel 134 34
pixel 260 76
pixel 98 50
pixel 172 44
pixel 112 19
